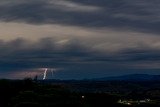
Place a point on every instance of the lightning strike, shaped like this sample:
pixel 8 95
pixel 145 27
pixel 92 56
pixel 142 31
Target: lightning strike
pixel 45 74
pixel 52 70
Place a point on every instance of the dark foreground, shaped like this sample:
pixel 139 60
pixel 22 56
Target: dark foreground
pixel 29 93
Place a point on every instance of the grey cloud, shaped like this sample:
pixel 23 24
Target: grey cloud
pixel 65 5
pixel 134 15
pixel 20 53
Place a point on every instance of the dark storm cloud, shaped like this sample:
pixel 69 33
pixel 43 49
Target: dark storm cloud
pixel 24 54
pixel 76 61
pixel 21 54
pixel 135 15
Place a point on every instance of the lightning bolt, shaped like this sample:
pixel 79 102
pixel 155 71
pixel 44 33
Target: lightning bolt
pixel 45 74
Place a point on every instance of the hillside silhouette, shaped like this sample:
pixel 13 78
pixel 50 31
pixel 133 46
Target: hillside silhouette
pixel 34 93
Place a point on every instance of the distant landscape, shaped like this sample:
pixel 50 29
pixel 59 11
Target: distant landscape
pixel 132 77
pixel 79 53
pixel 105 92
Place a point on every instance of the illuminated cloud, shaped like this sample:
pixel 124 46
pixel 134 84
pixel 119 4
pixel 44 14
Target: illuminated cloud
pixel 66 5
pixel 104 40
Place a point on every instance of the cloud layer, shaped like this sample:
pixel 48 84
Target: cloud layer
pixel 83 38
pixel 134 15
pixel 20 55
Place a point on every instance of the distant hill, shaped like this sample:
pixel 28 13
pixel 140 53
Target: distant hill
pixel 131 77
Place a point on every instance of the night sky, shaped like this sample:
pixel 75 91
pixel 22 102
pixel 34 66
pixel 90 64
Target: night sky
pixel 79 38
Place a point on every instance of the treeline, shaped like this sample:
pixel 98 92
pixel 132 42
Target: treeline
pixel 31 93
